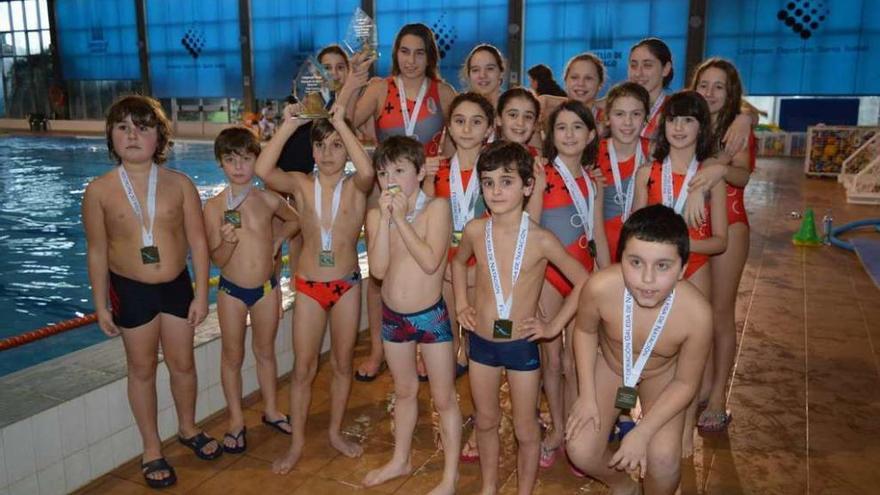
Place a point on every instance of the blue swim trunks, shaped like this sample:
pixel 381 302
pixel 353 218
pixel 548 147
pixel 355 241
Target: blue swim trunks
pixel 248 296
pixel 428 326
pixel 516 355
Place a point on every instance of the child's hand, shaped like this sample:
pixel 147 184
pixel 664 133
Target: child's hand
pixel 467 317
pixel 432 166
pixel 198 310
pixel 105 322
pixel 583 412
pixel 707 177
pixel 290 120
pixel 694 209
pixel 598 177
pixel 533 329
pixel 337 115
pixel 539 171
pixel 632 454
pixel 228 233
pixel 398 207
pixel 385 204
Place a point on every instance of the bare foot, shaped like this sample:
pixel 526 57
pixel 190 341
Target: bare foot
pixel 634 488
pixel 387 472
pixel 346 447
pixel 284 464
pixel 370 367
pixel 444 488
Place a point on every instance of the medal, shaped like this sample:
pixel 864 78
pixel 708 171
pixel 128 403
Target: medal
pixel 456 238
pixel 584 210
pixel 626 398
pixel 503 326
pixel 149 255
pixel 626 395
pixel 232 217
pixel 325 259
pixel 463 200
pixel 149 251
pixel 393 188
pixel 502 329
pixel 591 247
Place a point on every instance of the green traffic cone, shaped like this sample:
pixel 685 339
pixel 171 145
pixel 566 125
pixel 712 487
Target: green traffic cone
pixel 807 235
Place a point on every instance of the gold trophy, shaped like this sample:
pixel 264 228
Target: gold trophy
pixel 361 35
pixel 313 82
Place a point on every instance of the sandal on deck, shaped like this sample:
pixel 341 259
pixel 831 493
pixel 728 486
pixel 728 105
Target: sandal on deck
pixel 155 466
pixel 277 424
pixel 238 449
pixel 197 444
pixel 548 456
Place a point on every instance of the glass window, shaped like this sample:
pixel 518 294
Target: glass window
pixel 6 44
pixel 46 38
pixel 20 42
pixel 97 40
pixel 34 45
pixel 31 18
pixel 5 23
pixel 17 15
pixel 44 15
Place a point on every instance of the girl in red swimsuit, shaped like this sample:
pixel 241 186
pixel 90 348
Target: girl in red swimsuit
pixel 719 83
pixel 683 142
pixel 650 64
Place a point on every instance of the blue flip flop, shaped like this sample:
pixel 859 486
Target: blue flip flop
pixel 277 423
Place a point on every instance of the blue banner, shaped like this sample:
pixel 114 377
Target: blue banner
pixel 285 33
pixel 557 30
pixel 194 48
pixel 803 47
pixel 459 25
pixel 97 39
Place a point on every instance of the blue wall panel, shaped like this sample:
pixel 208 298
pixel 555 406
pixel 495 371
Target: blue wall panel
pixel 97 39
pixel 556 30
pixel 194 48
pixel 819 47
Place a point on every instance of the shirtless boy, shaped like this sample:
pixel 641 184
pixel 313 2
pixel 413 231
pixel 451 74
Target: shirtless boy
pixel 241 242
pixel 644 306
pixel 409 234
pixel 512 252
pixel 141 221
pixel 331 207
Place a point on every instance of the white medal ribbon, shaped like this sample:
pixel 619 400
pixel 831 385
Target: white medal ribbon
pixel 327 234
pixel 585 211
pixel 667 189
pixel 234 201
pixel 146 232
pixel 655 108
pixel 503 305
pixel 409 122
pixel 632 372
pixel 421 199
pixel 619 198
pixel 464 201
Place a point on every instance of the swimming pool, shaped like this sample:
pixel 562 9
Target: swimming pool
pixel 42 244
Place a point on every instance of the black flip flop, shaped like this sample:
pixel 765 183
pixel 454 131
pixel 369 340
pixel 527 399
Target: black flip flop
pixel 363 377
pixel 277 424
pixel 237 449
pixel 154 466
pixel 197 443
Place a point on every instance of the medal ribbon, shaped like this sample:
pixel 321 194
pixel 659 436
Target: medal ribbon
pixel 649 128
pixel 327 234
pixel 503 305
pixel 234 201
pixel 421 199
pixel 409 122
pixel 618 182
pixel 146 232
pixel 577 197
pixel 667 187
pixel 464 201
pixel 632 372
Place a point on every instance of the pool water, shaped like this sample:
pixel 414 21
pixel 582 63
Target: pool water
pixel 43 272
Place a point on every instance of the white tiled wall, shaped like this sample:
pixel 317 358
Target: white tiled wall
pixel 65 447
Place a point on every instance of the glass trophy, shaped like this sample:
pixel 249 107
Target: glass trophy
pixel 361 36
pixel 312 88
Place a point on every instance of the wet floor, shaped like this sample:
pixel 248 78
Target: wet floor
pixel 805 395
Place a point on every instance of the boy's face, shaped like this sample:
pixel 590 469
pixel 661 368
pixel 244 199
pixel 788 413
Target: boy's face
pixel 401 173
pixel 238 166
pixel 134 143
pixel 503 189
pixel 330 154
pixel 625 118
pixel 650 270
pixel 682 131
